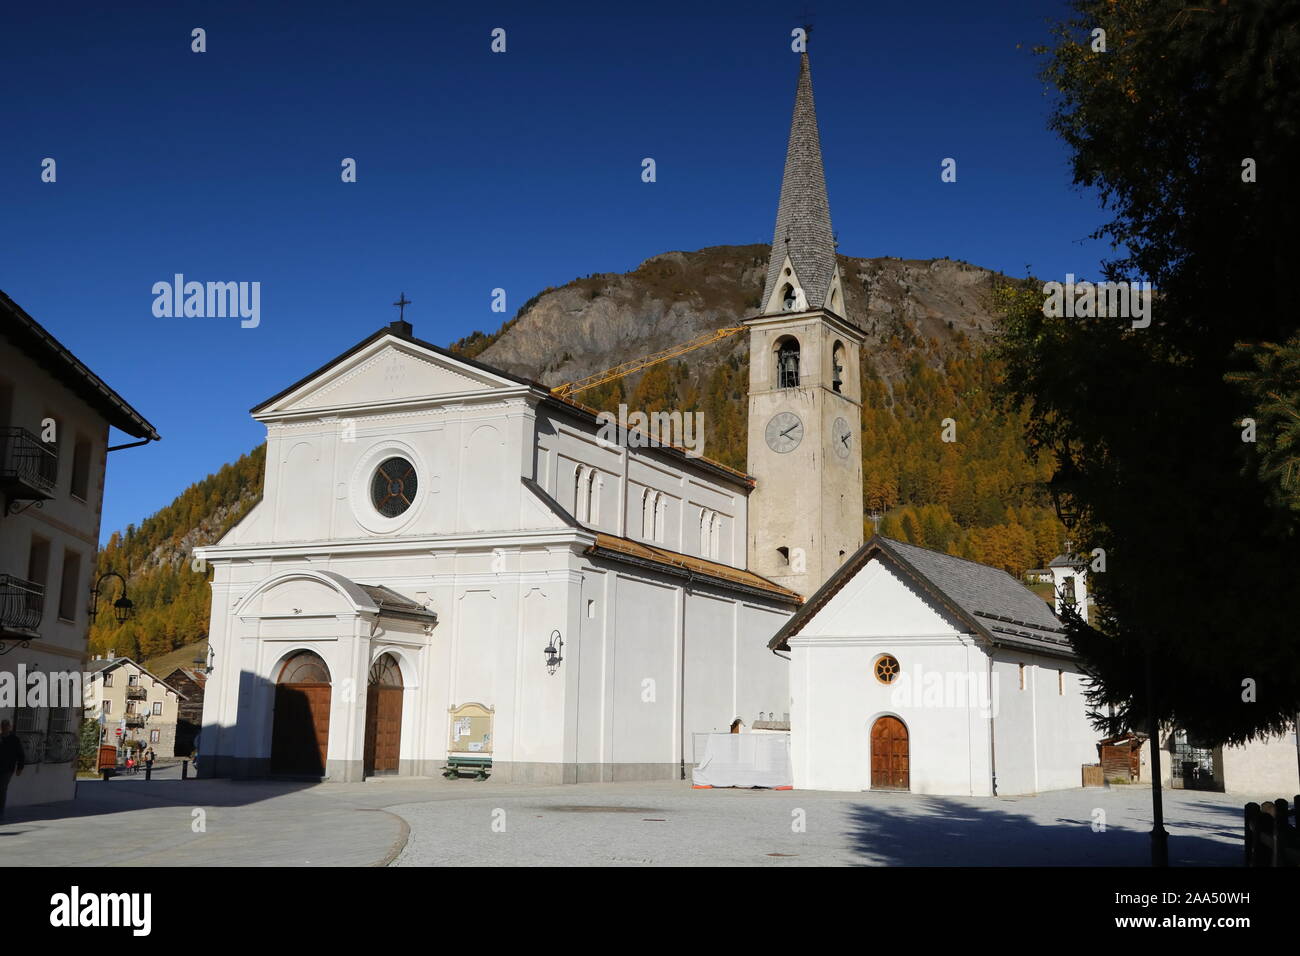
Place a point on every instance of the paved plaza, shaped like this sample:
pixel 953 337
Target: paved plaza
pixel 434 822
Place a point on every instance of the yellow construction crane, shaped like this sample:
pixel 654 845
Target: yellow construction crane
pixel 569 389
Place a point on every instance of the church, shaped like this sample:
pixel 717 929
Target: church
pixel 453 566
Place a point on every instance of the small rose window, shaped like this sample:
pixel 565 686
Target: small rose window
pixel 886 668
pixel 393 488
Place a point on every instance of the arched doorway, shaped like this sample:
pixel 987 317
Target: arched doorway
pixel 889 757
pixel 383 716
pixel 301 723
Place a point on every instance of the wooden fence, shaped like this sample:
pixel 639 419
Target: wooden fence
pixel 1271 837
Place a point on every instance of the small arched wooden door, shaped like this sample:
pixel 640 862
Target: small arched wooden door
pixel 383 716
pixel 301 724
pixel 889 757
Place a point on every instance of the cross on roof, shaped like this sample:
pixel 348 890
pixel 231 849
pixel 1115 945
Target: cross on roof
pixel 401 303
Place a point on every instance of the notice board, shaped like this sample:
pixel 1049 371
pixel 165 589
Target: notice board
pixel 471 729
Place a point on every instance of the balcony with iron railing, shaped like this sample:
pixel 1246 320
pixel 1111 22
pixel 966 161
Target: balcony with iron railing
pixel 29 468
pixel 136 692
pixel 22 603
pixel 135 720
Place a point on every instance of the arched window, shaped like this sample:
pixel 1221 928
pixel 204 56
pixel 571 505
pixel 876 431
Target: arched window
pixel 787 363
pixel 837 366
pixel 593 496
pixel 577 493
pixel 304 667
pixel 789 298
pixel 710 533
pixel 661 512
pixel 648 514
pixel 385 672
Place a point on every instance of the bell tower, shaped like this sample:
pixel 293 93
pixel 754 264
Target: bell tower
pixel 805 405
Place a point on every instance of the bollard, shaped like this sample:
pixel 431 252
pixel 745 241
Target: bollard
pixel 104 773
pixel 185 770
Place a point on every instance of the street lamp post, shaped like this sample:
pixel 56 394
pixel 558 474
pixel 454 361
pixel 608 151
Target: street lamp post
pixel 122 607
pixel 1064 488
pixel 1159 836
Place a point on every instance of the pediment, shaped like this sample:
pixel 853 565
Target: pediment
pixel 880 601
pixel 389 372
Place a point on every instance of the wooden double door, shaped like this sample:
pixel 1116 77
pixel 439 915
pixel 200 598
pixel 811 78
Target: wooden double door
pixel 383 717
pixel 889 755
pixel 301 729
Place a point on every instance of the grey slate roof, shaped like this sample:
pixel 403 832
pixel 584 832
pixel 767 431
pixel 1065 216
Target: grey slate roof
pixel 804 214
pixel 996 606
pixel 390 602
pixel 1065 561
pixel 990 594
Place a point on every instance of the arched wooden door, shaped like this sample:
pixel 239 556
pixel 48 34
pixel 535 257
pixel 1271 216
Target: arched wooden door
pixel 301 724
pixel 889 758
pixel 383 716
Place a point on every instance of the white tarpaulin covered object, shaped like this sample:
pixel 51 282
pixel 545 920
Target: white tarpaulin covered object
pixel 742 760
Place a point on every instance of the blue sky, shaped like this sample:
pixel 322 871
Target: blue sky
pixel 475 170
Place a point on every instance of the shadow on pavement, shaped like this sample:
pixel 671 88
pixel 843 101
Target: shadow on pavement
pixel 933 831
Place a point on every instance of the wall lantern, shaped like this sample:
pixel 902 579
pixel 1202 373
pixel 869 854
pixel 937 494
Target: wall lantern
pixel 205 663
pixel 1064 487
pixel 553 652
pixel 123 607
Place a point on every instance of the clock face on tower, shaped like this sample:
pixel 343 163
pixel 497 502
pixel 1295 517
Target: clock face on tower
pixel 784 432
pixel 841 438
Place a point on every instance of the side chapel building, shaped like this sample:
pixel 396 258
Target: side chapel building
pixel 448 559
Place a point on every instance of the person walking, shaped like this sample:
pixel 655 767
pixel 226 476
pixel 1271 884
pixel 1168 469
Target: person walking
pixel 12 760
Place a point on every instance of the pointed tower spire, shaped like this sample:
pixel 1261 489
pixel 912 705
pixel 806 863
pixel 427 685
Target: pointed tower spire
pixel 804 241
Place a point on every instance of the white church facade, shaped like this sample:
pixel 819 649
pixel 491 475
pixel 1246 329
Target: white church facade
pixel 436 535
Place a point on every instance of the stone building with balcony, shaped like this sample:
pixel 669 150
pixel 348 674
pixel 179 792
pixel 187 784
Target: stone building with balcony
pixel 122 696
pixel 189 681
pixel 56 419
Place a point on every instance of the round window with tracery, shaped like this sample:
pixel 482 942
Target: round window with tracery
pixel 393 488
pixel 886 669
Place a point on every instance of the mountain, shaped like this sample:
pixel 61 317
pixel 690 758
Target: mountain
pixel 594 323
pixel 171 596
pixel 925 360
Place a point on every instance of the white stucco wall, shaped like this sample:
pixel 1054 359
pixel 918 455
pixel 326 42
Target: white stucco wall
pixel 836 698
pixel 1268 766
pixel 1042 736
pixel 568 444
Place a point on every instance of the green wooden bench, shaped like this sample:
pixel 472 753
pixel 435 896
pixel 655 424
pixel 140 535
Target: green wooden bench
pixel 479 766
